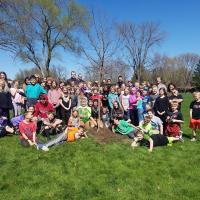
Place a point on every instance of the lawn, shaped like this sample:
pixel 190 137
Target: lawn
pixel 86 170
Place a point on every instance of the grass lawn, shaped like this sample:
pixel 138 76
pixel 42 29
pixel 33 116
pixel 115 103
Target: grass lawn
pixel 86 170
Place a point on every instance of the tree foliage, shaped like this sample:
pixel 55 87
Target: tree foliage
pixel 34 29
pixel 196 75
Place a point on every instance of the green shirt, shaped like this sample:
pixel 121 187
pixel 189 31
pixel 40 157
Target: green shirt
pixel 123 128
pixel 84 113
pixel 147 127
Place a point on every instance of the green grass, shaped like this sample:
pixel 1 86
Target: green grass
pixel 85 170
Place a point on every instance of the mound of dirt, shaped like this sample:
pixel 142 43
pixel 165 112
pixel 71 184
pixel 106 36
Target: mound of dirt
pixel 105 135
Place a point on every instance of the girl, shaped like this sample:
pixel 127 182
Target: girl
pixel 105 117
pixel 5 100
pixel 195 114
pixel 112 97
pixel 74 120
pixel 54 95
pixel 133 106
pixel 65 103
pixel 124 98
pixel 17 99
pixel 117 111
pixel 140 109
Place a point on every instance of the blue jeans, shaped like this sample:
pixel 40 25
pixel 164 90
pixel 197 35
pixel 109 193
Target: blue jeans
pixel 140 112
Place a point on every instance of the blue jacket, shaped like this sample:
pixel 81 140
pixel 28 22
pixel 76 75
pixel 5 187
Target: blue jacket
pixel 112 97
pixel 34 91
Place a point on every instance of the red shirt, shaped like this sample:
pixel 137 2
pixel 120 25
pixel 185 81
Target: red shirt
pixel 27 129
pixel 41 110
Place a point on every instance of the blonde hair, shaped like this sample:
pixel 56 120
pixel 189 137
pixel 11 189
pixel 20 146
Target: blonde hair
pixel 4 86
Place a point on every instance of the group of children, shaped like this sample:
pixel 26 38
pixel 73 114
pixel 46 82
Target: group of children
pixel 146 113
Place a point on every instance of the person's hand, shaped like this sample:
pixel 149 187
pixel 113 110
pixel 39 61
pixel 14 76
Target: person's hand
pixel 30 143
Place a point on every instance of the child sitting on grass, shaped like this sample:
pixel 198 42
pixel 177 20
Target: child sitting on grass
pixel 74 120
pixel 69 135
pixel 152 141
pixel 51 125
pixel 27 130
pixel 195 114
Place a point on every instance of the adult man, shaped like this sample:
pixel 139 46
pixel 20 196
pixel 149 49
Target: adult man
pixel 160 84
pixel 73 78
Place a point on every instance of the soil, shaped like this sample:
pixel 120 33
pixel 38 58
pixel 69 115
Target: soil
pixel 105 136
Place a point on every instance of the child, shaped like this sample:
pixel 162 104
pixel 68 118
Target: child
pixel 94 121
pixel 27 130
pixel 140 109
pixel 124 128
pixel 174 119
pixel 125 104
pixel 33 91
pixel 69 135
pixel 112 97
pixel 105 117
pixel 51 125
pixel 153 140
pixel 74 120
pixel 117 111
pixel 145 125
pixel 195 114
pixel 84 112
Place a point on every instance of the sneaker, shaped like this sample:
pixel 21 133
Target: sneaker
pixel 181 139
pixel 44 148
pixel 193 139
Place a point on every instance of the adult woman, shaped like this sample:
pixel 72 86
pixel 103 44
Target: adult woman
pixel 5 100
pixel 161 106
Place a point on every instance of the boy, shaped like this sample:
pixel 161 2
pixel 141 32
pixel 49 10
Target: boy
pixel 195 114
pixel 69 135
pixel 174 119
pixel 153 140
pixel 51 125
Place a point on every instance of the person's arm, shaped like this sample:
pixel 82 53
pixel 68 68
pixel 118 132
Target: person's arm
pixel 62 104
pixel 56 123
pixel 26 138
pixel 42 90
pixel 190 113
pixel 110 102
pixel 161 128
pixel 150 145
pixel 34 138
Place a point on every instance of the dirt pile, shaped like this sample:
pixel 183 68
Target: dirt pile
pixel 105 135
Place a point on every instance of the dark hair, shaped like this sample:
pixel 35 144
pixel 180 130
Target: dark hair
pixel 6 78
pixel 32 77
pixel 168 87
pixel 162 88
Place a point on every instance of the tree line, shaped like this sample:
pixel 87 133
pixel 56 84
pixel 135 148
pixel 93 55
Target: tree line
pixel 35 31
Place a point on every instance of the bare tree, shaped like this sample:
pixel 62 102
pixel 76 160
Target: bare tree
pixel 138 41
pixel 100 45
pixel 32 30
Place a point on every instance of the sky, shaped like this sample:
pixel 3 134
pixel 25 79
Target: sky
pixel 179 19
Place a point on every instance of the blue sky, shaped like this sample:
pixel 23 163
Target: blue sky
pixel 178 18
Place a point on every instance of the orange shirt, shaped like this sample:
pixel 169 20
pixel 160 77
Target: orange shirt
pixel 71 134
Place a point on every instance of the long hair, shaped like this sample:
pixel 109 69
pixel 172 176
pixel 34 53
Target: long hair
pixel 4 86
